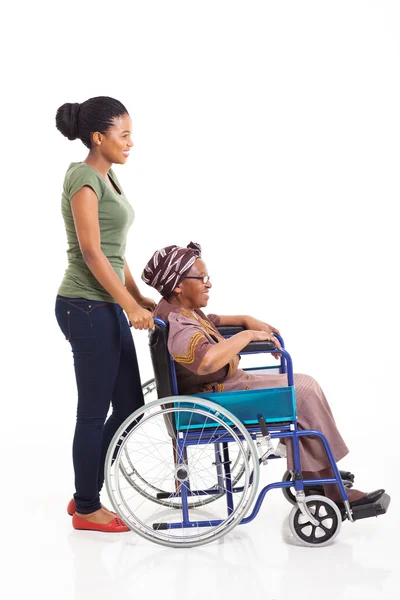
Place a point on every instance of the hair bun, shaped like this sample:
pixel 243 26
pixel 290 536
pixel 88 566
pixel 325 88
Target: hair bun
pixel 67 120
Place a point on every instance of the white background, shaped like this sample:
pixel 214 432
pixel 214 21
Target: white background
pixel 269 132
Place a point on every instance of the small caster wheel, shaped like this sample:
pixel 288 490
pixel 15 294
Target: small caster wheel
pixel 326 512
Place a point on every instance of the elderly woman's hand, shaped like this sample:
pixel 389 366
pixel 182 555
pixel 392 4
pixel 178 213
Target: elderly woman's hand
pixel 256 325
pixel 252 323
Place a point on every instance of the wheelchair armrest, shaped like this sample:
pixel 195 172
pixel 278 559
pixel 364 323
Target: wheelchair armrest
pixel 230 330
pixel 262 346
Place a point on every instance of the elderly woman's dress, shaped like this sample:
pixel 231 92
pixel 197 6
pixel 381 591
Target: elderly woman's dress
pixel 191 334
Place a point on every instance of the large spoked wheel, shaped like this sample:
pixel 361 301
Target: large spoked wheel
pixel 153 492
pixel 203 430
pixel 326 512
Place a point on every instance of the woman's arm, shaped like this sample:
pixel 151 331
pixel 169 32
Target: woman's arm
pixel 219 355
pixel 84 206
pixel 233 320
pixel 191 347
pixel 134 290
pixel 130 283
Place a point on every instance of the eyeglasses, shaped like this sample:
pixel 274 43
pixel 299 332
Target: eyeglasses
pixel 204 279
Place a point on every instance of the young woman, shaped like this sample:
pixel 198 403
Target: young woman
pixel 96 292
pixel 205 361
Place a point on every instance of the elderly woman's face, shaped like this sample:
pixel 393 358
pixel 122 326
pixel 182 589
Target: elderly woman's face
pixel 194 293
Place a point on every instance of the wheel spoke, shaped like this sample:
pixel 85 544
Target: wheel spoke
pixel 327 531
pixel 313 536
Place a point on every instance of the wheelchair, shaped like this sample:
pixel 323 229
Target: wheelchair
pixel 183 471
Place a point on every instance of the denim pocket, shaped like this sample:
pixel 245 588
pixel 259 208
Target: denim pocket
pixel 73 316
pixel 86 306
pixel 63 319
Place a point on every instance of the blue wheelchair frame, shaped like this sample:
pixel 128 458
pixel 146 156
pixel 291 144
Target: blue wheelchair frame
pixel 288 429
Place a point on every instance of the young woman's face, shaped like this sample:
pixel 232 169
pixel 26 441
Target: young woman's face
pixel 116 143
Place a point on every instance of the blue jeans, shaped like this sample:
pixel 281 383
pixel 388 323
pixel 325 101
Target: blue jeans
pixel 107 373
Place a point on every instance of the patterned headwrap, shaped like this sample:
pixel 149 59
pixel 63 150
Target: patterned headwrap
pixel 168 266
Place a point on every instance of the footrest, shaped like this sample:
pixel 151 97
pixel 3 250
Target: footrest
pixel 364 511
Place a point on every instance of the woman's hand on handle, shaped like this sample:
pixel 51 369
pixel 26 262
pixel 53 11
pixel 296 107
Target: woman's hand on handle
pixel 140 318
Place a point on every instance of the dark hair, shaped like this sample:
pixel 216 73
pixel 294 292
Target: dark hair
pixel 80 120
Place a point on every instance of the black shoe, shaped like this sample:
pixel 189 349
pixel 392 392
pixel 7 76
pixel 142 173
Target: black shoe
pixel 370 498
pixel 371 505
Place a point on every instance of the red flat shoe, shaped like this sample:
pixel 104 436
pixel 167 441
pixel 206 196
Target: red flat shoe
pixel 114 526
pixel 71 508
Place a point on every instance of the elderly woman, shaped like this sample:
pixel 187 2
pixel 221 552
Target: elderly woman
pixel 206 361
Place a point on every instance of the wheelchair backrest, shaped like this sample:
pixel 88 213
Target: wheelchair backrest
pixel 158 342
pixel 160 357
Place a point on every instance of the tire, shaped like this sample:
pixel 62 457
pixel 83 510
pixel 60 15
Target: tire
pixel 328 515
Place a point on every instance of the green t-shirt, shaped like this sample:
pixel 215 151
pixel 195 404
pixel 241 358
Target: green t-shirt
pixel 115 217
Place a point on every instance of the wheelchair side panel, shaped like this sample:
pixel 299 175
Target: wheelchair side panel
pixel 276 405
